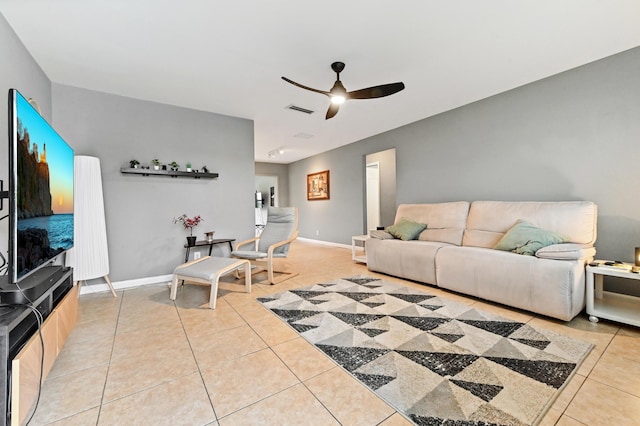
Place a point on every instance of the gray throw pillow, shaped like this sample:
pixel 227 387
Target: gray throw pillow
pixel 524 238
pixel 406 229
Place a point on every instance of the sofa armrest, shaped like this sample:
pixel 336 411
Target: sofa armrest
pixel 381 234
pixel 567 251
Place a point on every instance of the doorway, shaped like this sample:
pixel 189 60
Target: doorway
pixel 266 196
pixel 373 195
pixel 380 189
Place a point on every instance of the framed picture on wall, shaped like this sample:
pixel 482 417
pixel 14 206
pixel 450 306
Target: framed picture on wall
pixel 318 186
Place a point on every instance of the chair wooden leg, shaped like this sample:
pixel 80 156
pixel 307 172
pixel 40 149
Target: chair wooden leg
pixel 270 274
pixel 254 268
pixel 174 287
pixel 284 275
pixel 247 276
pixel 257 267
pixel 213 297
pixel 106 278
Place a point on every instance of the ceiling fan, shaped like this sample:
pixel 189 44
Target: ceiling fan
pixel 339 94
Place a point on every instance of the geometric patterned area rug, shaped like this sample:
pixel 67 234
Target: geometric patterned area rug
pixel 437 361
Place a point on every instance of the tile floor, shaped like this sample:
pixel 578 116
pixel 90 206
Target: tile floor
pixel 141 359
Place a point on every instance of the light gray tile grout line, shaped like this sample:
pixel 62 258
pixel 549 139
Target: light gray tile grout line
pixel 113 343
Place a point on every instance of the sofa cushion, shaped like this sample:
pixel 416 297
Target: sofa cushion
pixel 443 235
pixel 406 229
pixel 549 287
pixel 413 260
pixel 446 220
pixel 567 251
pixel 524 238
pixel 489 220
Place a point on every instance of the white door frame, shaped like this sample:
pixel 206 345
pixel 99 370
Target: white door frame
pixel 373 195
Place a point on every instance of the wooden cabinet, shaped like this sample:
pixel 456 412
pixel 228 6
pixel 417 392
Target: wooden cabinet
pixel 26 365
pixel 26 370
pixel 67 313
pixel 53 294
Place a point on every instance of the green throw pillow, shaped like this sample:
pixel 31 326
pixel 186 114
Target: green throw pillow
pixel 524 238
pixel 406 229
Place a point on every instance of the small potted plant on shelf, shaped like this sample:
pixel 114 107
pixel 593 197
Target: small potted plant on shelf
pixel 156 164
pixel 189 223
pixel 174 166
pixel 188 167
pixel 134 163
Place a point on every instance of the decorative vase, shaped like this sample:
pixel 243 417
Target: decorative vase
pixel 191 241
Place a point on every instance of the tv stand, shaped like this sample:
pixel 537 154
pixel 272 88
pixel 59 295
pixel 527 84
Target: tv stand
pixel 56 298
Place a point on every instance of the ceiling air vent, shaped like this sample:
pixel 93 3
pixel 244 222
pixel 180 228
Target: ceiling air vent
pixel 299 109
pixel 303 135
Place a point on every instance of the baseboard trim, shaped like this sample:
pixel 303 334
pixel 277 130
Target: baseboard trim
pixel 325 243
pixel 166 279
pixel 122 285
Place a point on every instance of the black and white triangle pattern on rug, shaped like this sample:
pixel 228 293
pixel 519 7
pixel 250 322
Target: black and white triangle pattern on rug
pixel 437 361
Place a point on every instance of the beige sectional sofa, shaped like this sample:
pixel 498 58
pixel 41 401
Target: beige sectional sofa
pixel 456 252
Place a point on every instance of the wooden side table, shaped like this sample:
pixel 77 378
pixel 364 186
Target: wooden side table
pixel 358 250
pixel 605 304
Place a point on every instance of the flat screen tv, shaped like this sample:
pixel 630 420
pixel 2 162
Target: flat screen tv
pixel 40 191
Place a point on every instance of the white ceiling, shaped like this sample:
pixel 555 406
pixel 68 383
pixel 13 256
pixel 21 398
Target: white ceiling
pixel 228 57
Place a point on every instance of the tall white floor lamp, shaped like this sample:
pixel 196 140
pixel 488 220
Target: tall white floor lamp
pixel 90 255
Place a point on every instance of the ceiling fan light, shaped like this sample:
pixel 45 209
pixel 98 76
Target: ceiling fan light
pixel 337 100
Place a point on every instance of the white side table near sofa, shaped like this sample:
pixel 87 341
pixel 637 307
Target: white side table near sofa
pixel 608 305
pixel 358 249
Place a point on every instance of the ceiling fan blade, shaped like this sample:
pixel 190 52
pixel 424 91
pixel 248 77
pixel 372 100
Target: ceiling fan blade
pixel 376 91
pixel 332 111
pixel 305 87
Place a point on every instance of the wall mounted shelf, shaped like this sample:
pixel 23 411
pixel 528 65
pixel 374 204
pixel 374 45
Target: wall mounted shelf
pixel 151 172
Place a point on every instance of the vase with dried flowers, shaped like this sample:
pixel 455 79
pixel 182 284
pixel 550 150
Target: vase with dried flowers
pixel 189 223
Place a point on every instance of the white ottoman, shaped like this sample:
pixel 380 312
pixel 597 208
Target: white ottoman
pixel 208 270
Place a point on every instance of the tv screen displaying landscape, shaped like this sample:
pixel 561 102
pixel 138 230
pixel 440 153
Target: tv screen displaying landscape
pixel 44 190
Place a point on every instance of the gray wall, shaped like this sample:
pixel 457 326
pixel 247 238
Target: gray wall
pixel 342 215
pixel 572 136
pixel 18 71
pixel 143 240
pixel 282 172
